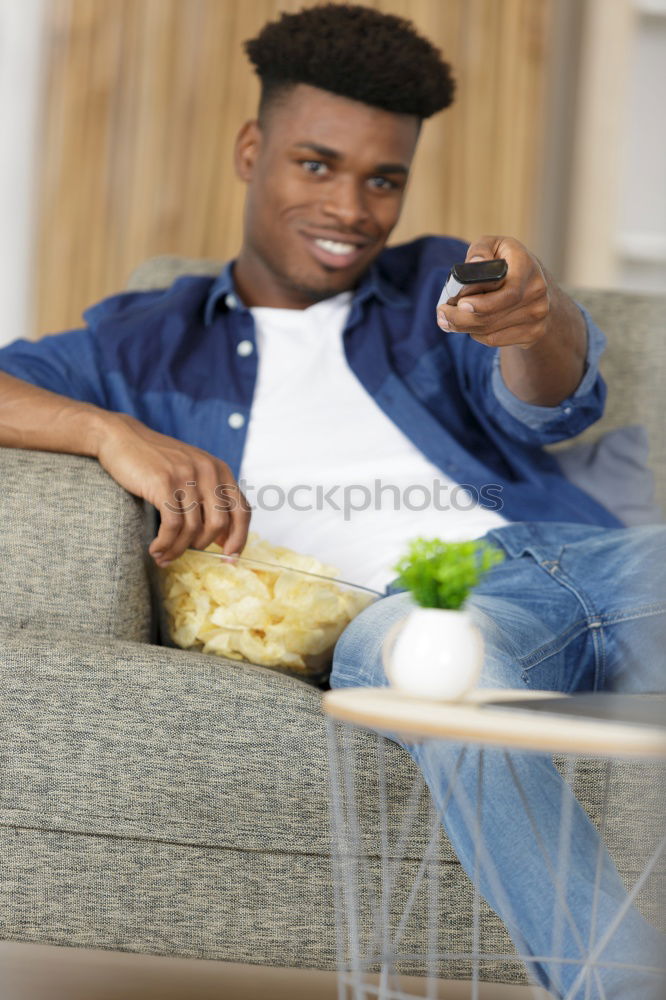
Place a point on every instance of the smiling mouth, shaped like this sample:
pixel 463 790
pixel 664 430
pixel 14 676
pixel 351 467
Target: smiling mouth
pixel 334 253
pixel 335 247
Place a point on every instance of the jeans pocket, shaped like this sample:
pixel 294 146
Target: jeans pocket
pixel 543 541
pixel 572 661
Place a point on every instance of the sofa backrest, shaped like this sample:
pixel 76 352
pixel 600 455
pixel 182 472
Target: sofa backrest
pixel 71 549
pixel 634 365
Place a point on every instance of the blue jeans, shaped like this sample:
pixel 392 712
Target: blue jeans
pixel 572 608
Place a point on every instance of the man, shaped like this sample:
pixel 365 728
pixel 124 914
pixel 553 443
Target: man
pixel 359 379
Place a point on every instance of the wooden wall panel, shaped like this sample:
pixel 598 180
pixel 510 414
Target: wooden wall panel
pixel 144 98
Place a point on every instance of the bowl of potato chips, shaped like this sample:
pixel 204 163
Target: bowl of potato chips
pixel 269 605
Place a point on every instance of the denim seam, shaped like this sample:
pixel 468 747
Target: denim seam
pixel 595 624
pixel 354 677
pixel 593 619
pixel 642 611
pixel 598 635
pixel 549 649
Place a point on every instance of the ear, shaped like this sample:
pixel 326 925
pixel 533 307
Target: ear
pixel 246 149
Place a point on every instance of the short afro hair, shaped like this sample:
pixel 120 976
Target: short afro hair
pixel 356 52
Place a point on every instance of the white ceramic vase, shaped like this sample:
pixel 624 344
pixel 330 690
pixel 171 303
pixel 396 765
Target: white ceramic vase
pixel 437 654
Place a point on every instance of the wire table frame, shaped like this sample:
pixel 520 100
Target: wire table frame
pixel 399 933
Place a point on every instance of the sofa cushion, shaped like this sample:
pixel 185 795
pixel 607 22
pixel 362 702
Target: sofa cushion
pixel 614 470
pixel 176 803
pixel 634 366
pixel 70 548
pixel 127 739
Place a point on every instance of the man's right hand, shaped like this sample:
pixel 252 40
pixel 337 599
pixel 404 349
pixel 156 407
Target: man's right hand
pixel 196 494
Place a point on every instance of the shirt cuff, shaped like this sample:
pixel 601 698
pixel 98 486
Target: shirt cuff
pixel 537 417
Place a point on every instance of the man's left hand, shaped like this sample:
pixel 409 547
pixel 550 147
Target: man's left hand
pixel 540 330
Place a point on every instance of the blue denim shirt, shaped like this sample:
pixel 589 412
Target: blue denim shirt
pixel 184 362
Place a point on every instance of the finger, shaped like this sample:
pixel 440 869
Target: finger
pixel 215 526
pixel 483 248
pixel 522 335
pixel 454 319
pixel 493 330
pixel 496 299
pixel 509 295
pixel 185 535
pixel 171 525
pixel 240 516
pixel 524 270
pixel 495 311
pixel 181 523
pixel 190 532
pixel 472 312
pixel 484 300
pixel 225 511
pixel 215 509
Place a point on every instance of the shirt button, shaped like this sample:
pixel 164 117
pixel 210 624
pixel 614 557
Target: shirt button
pixel 231 300
pixel 244 348
pixel 236 421
pixel 567 410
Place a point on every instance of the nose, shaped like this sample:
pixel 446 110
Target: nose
pixel 346 202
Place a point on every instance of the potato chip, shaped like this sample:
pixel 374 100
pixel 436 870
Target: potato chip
pixel 224 581
pixel 273 617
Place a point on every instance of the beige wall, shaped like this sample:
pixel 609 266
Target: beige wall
pixel 143 99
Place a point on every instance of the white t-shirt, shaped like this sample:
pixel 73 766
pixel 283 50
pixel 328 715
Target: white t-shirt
pixel 317 441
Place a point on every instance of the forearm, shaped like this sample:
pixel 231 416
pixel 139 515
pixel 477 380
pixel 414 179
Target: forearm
pixel 39 420
pixel 148 464
pixel 551 369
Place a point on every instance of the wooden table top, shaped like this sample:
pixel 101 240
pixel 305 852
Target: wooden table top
pixel 471 720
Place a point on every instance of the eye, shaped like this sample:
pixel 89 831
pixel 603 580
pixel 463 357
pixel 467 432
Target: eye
pixel 315 167
pixel 382 184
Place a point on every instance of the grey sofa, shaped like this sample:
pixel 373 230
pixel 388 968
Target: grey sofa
pixel 166 802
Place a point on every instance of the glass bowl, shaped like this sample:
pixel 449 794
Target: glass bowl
pixel 249 609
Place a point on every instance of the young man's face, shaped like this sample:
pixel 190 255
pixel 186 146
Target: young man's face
pixel 326 178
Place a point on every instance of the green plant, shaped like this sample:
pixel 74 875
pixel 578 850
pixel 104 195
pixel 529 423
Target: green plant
pixel 441 574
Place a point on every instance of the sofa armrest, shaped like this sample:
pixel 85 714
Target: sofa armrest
pixel 72 548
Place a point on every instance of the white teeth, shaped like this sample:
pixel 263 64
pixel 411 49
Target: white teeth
pixel 332 247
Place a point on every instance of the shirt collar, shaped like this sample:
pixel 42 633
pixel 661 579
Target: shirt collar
pixel 224 291
pixel 375 284
pixel 372 284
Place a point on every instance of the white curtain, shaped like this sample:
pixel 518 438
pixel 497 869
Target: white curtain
pixel 21 40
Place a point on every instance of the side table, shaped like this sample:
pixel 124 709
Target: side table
pixel 371 953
